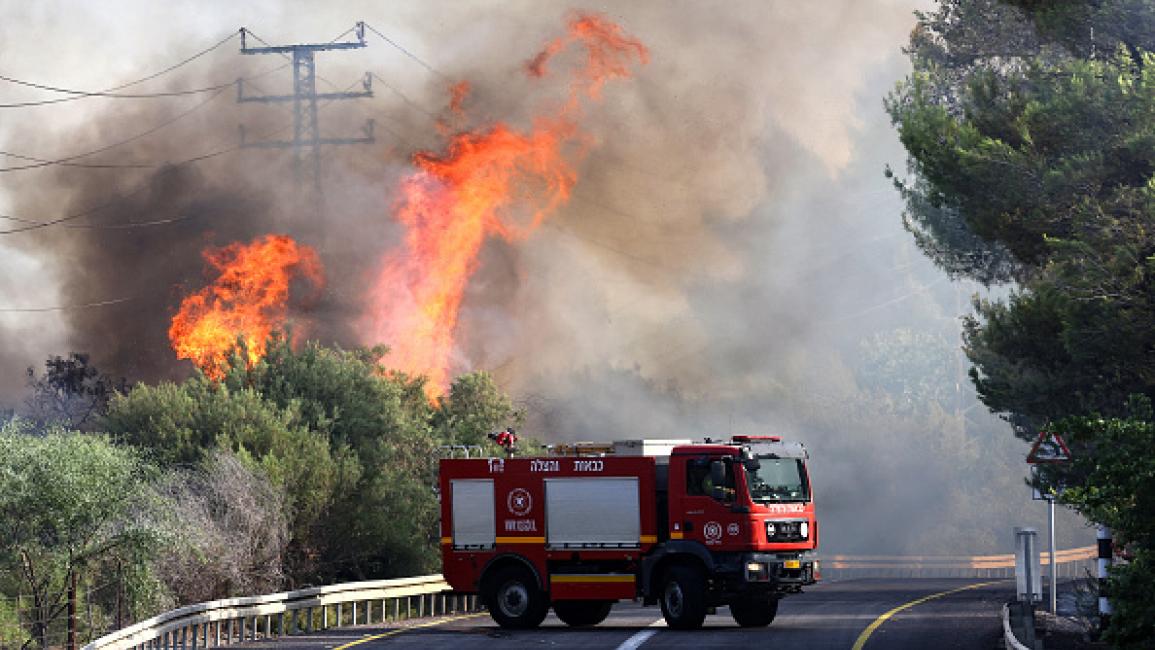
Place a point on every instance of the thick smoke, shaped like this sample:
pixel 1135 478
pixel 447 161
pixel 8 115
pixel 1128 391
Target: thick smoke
pixel 732 259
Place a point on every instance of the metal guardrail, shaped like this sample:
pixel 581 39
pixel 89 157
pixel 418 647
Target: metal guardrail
pixel 1009 638
pixel 1068 563
pixel 231 620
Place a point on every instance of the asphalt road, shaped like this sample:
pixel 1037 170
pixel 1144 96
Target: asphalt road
pixel 834 614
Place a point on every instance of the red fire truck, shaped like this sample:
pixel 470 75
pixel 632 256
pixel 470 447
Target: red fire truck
pixel 689 526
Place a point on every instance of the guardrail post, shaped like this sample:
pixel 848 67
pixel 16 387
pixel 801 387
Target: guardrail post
pixel 396 609
pixel 353 611
pixel 217 634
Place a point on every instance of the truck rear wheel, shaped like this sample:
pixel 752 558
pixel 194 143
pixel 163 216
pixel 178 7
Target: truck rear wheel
pixel 684 597
pixel 514 599
pixel 582 612
pixel 754 612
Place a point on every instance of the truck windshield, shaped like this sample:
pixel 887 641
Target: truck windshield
pixel 778 479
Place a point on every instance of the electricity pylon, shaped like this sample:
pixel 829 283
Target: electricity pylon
pixel 307 138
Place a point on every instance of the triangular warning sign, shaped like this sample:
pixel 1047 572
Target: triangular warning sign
pixel 1049 448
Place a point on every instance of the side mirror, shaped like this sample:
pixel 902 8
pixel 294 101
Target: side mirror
pixel 752 464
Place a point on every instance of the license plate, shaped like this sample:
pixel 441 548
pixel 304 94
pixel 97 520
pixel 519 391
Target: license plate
pixel 793 564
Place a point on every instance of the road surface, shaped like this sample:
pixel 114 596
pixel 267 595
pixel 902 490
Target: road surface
pixel 867 614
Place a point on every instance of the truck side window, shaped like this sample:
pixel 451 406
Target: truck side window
pixel 697 477
pixel 698 483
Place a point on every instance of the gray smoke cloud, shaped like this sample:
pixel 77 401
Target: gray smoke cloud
pixel 732 259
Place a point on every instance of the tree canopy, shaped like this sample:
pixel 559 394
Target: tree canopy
pixel 1032 162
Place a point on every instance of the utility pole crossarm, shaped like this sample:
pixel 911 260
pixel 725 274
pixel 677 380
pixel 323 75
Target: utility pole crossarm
pixel 313 47
pixel 277 99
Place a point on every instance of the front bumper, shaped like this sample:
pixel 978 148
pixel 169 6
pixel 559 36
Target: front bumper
pixel 786 571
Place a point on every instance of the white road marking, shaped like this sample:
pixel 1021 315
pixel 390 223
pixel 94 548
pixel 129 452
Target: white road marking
pixel 636 641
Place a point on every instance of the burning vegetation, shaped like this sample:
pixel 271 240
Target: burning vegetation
pixel 492 181
pixel 247 301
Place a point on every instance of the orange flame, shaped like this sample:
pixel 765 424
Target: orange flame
pixel 608 52
pixel 458 93
pixel 247 300
pixel 492 181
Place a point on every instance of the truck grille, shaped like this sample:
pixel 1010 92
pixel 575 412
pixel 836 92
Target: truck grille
pixel 787 531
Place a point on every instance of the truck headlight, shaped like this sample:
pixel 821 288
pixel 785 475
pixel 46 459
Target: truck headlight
pixel 804 530
pixel 770 530
pixel 756 572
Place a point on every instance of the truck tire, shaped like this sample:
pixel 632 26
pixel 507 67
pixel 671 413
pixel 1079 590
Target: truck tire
pixel 513 598
pixel 683 597
pixel 754 612
pixel 576 613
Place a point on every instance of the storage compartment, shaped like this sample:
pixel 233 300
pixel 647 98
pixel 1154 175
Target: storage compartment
pixel 473 516
pixel 593 512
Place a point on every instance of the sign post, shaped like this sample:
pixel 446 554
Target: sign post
pixel 1049 448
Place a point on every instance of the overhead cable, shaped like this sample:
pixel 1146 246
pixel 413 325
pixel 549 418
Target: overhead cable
pixel 405 98
pixel 144 185
pixel 67 160
pixel 408 53
pixel 36 225
pixel 90 305
pixel 111 92
pixel 175 65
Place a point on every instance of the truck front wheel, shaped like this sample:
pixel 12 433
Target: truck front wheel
pixel 582 612
pixel 755 612
pixel 684 597
pixel 514 599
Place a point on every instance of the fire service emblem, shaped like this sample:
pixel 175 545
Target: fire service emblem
pixel 712 530
pixel 519 502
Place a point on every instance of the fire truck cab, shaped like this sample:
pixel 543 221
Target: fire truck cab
pixel 688 526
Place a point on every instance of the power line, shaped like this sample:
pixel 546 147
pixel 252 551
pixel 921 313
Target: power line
pixel 405 98
pixel 409 54
pixel 110 92
pixel 90 305
pixel 35 225
pixel 175 65
pixel 67 160
pixel 80 94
